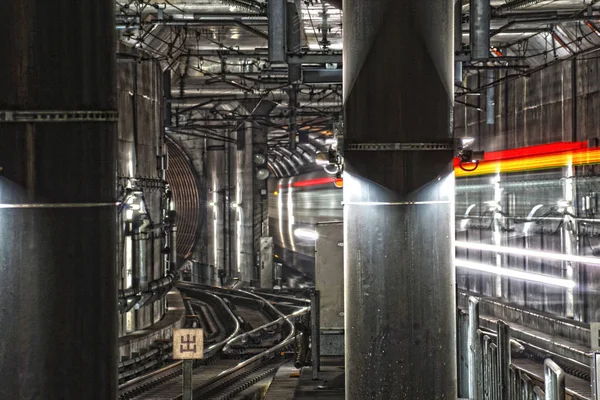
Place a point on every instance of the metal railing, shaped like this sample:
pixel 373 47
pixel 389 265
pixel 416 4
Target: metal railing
pixel 489 373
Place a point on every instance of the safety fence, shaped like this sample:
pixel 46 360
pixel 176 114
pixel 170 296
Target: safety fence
pixel 487 371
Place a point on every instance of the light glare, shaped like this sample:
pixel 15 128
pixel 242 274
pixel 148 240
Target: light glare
pixel 528 253
pixel 303 233
pixel 511 273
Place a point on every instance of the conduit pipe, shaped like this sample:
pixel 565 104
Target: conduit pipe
pixel 480 29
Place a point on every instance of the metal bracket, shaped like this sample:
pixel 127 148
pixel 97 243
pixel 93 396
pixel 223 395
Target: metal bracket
pixel 58 116
pixel 400 147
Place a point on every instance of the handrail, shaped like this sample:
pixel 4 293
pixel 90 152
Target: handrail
pixel 554 378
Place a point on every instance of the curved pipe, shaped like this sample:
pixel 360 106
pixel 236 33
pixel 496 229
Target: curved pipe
pixel 293 156
pixel 285 159
pixel 284 167
pixel 275 168
pixel 311 148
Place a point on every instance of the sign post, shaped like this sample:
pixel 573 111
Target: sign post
pixel 188 345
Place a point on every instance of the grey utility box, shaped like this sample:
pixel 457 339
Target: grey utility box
pixel 329 280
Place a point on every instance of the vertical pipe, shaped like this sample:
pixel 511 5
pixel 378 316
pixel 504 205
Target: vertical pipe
pixel 595 369
pixel 58 286
pixel 140 262
pixel 487 372
pixel 134 114
pixel 526 386
pixel 458 44
pixel 173 247
pixel 475 372
pixel 399 205
pixel 294 38
pixel 277 13
pixel 168 107
pixel 463 353
pixel 229 237
pixel 293 128
pixel 569 235
pixel 495 372
pixel 497 219
pixel 574 100
pixel 490 108
pixel 315 325
pixel 480 29
pixel 504 359
pixel 140 276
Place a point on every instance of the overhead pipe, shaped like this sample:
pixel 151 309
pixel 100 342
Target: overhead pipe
pixel 277 13
pixel 293 155
pixel 206 21
pixel 458 45
pixel 285 160
pixel 279 161
pixel 275 165
pixel 249 5
pixel 248 16
pixel 480 29
pixel 513 5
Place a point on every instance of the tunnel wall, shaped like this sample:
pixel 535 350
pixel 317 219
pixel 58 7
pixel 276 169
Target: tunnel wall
pixel 537 109
pixel 186 177
pixel 534 110
pixel 139 99
pixel 228 170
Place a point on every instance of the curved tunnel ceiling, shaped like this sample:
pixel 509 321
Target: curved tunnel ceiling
pixel 184 184
pixel 284 162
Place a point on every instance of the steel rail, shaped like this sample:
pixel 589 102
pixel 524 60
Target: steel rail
pixel 175 369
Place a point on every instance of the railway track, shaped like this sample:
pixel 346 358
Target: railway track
pixel 247 336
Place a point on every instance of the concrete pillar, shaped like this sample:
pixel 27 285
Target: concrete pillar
pixel 399 205
pixel 58 213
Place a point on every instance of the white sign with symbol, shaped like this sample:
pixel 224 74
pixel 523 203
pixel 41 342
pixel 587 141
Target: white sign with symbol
pixel 188 344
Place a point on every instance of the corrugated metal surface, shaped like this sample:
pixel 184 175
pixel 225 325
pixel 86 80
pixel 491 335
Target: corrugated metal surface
pixel 184 183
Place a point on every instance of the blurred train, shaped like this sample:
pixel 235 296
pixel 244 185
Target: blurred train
pixel 296 205
pixel 527 229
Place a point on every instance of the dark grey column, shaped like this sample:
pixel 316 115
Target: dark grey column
pixel 57 259
pixel 398 205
